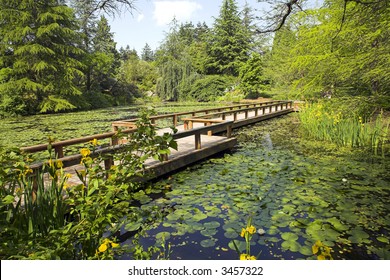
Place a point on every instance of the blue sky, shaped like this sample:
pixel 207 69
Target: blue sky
pixel 151 19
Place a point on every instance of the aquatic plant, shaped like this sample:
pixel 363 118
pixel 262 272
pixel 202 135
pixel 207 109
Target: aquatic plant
pixel 43 217
pixel 324 121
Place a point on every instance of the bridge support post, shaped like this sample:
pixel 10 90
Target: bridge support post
pixel 198 144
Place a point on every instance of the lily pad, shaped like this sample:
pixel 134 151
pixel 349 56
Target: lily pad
pixel 289 236
pixel 383 239
pixel 291 245
pixel 164 235
pixel 207 243
pixel 211 225
pixel 358 235
pixel 306 250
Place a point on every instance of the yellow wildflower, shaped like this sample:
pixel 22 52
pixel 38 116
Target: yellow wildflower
pixel 251 229
pixel 103 248
pixel 60 164
pixel 68 176
pixel 243 231
pixel 27 171
pixel 247 257
pixel 85 152
pixel 114 245
pixel 94 142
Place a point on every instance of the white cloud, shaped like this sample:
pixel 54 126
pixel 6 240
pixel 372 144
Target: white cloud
pixel 140 17
pixel 165 11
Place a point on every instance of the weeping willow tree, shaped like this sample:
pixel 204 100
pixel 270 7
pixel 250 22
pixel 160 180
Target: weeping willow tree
pixel 174 65
pixel 38 59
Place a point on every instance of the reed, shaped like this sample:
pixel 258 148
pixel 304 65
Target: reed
pixel 325 122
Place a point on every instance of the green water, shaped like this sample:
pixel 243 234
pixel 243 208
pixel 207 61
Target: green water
pixel 298 191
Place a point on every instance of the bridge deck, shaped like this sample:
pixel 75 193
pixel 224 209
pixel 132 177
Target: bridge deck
pixel 194 144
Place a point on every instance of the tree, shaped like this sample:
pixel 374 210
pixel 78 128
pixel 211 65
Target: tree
pixel 147 53
pixel 253 81
pixel 320 53
pixel 229 43
pixel 38 57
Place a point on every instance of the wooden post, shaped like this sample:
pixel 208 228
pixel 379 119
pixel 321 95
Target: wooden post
pixel 263 110
pixel 153 121
pixel 198 144
pixel 175 120
pixel 223 116
pixel 209 132
pixel 59 150
pixel 229 131
pixel 235 116
pixel 185 125
pixel 246 114
pixel 190 124
pixel 256 112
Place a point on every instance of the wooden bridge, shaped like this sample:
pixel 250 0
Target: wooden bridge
pixel 200 134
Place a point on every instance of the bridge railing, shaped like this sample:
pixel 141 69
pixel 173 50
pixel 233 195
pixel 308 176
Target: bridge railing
pixel 206 119
pixel 108 152
pixel 175 117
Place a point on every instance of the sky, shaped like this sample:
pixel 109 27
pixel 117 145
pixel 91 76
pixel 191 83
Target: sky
pixel 150 21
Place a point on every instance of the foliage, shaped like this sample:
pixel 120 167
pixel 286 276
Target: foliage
pixel 229 41
pixel 253 82
pixel 341 122
pixel 322 251
pixel 340 49
pixel 297 190
pixel 46 218
pixel 247 233
pixel 209 87
pixel 38 58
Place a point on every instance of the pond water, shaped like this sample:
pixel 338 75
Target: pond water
pixel 298 191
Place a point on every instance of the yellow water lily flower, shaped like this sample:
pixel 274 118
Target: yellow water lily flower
pixel 103 248
pixel 59 164
pixel 85 152
pixel 94 142
pixel 247 257
pixel 251 229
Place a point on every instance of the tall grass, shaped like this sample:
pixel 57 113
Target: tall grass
pixel 323 121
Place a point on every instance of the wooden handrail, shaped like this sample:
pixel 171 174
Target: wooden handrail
pixel 175 116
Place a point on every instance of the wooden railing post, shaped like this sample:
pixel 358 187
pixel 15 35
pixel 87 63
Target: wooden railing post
pixel 263 110
pixel 223 116
pixel 246 114
pixel 198 144
pixel 59 151
pixel 229 129
pixel 235 116
pixel 256 112
pixel 175 120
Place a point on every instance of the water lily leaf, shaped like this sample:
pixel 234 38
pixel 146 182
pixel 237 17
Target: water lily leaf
pixel 133 226
pixel 208 232
pixel 164 235
pixel 289 236
pixel 199 216
pixel 231 233
pixel 306 250
pixel 241 245
pixel 358 235
pixel 212 225
pixel 337 224
pixel 383 239
pixel 291 245
pixel 207 243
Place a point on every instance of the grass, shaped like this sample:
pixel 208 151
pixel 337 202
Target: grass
pixel 323 121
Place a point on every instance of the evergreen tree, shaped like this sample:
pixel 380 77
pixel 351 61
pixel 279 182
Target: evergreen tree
pixel 147 53
pixel 37 56
pixel 229 42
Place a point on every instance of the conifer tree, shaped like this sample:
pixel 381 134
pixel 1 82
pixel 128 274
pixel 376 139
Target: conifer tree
pixel 229 42
pixel 147 53
pixel 37 56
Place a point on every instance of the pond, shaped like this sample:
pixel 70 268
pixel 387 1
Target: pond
pixel 295 190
